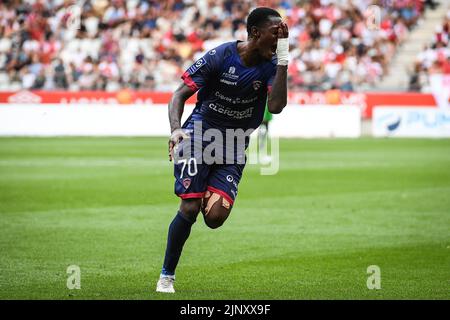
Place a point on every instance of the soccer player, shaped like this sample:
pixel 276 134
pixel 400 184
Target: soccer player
pixel 233 81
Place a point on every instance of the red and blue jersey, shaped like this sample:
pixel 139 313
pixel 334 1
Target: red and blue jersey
pixel 230 95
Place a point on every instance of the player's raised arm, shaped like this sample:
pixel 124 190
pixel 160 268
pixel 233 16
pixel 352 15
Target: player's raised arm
pixel 278 95
pixel 176 108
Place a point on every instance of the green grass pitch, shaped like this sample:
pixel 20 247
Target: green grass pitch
pixel 309 232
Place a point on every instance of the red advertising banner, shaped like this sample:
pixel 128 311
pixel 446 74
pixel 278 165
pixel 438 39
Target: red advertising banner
pixel 88 97
pixel 367 101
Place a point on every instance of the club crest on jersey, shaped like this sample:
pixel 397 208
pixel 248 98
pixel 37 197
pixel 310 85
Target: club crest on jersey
pixel 197 65
pixel 186 183
pixel 256 84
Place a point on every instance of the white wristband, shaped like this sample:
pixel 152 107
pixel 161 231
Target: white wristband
pixel 283 51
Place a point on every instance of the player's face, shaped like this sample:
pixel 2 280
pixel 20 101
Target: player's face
pixel 268 37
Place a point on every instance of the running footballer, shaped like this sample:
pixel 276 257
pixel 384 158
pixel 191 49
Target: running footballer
pixel 233 81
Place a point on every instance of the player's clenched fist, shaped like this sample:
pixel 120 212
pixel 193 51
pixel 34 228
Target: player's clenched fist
pixel 283 30
pixel 177 136
pixel 283 44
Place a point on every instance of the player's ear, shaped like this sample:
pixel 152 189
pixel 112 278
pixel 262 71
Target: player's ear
pixel 255 32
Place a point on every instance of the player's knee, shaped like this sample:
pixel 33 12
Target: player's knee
pixel 215 209
pixel 190 207
pixel 214 222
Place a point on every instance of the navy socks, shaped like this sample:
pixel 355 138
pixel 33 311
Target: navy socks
pixel 179 231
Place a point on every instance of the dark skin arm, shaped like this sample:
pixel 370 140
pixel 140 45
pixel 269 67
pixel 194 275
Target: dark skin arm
pixel 278 95
pixel 176 108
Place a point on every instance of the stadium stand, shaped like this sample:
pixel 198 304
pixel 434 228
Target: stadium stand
pixel 146 45
pixel 433 59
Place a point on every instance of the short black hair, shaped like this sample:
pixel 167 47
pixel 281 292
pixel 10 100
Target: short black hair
pixel 259 16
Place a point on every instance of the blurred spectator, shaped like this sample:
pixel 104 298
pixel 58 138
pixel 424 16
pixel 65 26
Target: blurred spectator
pixel 60 78
pixel 433 59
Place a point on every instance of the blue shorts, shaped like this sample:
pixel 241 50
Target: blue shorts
pixel 192 180
pixel 195 174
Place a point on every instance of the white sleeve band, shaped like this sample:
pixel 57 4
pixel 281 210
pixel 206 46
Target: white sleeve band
pixel 283 51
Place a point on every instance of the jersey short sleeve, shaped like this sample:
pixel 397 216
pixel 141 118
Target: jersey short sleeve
pixel 202 70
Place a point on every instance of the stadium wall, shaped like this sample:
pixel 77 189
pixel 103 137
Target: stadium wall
pixel 141 120
pixel 128 113
pixel 365 101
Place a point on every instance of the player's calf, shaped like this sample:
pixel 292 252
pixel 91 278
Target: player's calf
pixel 215 209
